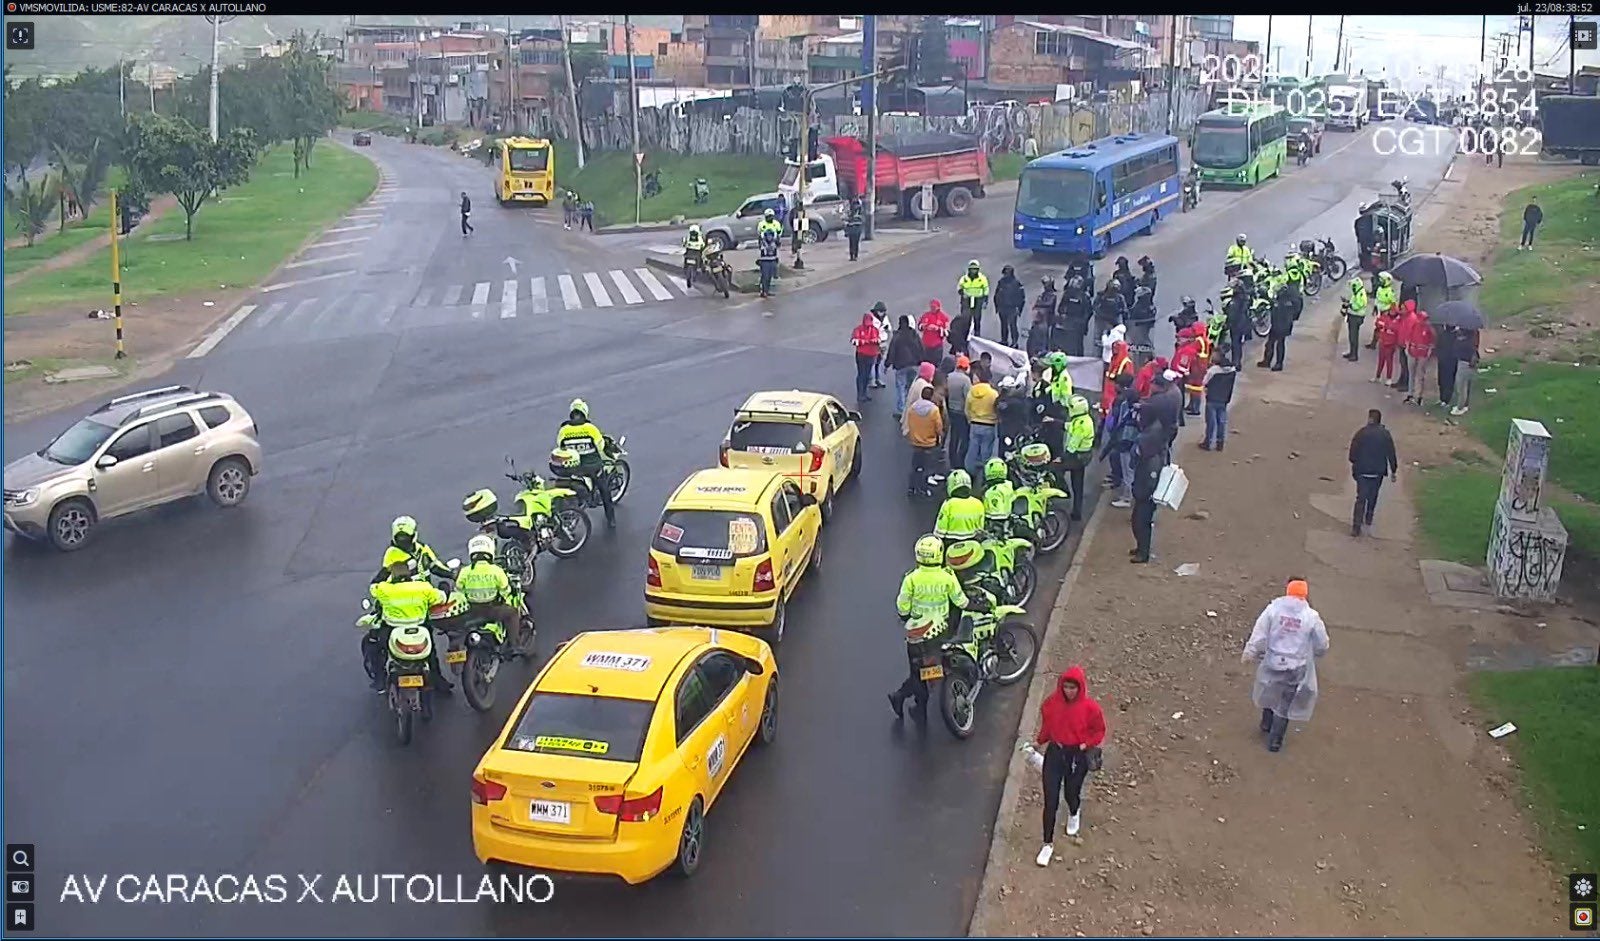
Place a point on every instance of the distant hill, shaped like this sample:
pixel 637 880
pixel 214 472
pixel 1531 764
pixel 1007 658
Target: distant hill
pixel 66 45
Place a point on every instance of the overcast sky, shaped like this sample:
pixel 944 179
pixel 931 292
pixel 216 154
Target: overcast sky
pixel 1406 42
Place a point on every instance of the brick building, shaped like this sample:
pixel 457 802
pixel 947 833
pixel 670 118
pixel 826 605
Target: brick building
pixel 1030 57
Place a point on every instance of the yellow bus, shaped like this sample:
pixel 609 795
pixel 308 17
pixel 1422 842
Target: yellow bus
pixel 527 171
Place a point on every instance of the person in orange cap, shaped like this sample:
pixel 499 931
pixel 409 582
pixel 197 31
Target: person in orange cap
pixel 957 384
pixel 1288 638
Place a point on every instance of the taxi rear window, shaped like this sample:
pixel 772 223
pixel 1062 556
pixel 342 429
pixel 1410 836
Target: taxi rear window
pixel 766 436
pixel 589 726
pixel 718 535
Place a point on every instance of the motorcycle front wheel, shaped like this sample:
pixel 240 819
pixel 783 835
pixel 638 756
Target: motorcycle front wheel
pixel 1053 531
pixel 1024 579
pixel 1335 267
pixel 1015 645
pixel 572 532
pixel 477 679
pixel 1261 324
pixel 1314 284
pixel 957 703
pixel 618 480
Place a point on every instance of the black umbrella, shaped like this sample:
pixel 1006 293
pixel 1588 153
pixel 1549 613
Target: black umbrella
pixel 1438 271
pixel 1457 314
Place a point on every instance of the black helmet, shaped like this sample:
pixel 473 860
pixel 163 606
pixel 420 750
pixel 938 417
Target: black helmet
pixel 1122 261
pixel 1008 270
pixel 1145 262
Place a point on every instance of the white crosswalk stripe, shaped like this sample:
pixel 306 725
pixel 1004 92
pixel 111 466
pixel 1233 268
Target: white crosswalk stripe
pixel 653 284
pixel 480 297
pixel 508 299
pixel 269 314
pixel 537 296
pixel 597 289
pixel 630 294
pixel 569 293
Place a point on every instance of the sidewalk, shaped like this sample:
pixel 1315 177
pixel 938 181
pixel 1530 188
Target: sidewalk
pixel 1391 812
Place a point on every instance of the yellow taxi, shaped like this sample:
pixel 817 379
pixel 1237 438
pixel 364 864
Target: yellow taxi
pixel 730 549
pixel 806 435
pixel 618 750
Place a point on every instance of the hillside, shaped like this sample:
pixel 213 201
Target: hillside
pixel 66 45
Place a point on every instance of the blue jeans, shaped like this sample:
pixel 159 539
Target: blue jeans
pixel 980 447
pixel 903 377
pixel 769 267
pixel 1216 422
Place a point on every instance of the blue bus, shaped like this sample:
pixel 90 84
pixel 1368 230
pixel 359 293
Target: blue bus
pixel 1087 198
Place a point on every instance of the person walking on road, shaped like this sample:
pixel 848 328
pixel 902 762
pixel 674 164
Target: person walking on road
pixel 1009 299
pixel 1532 217
pixel 957 385
pixel 853 224
pixel 1372 458
pixel 934 325
pixel 865 340
pixel 904 356
pixel 466 211
pixel 1072 727
pixel 924 380
pixel 1288 638
pixel 586 216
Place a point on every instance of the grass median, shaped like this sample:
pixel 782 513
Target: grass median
pixel 608 180
pixel 238 239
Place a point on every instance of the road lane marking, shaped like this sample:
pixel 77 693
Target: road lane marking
pixel 630 294
pixel 226 327
pixel 303 307
pixel 355 228
pixel 349 241
pixel 597 289
pixel 322 261
pixel 452 296
pixel 536 294
pixel 480 298
pixel 569 293
pixel 422 295
pixel 651 283
pixel 292 284
pixel 269 314
pixel 508 299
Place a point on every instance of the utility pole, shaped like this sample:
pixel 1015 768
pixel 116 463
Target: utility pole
pixel 122 91
pixel 869 104
pixel 1268 64
pixel 216 49
pixel 1309 20
pixel 116 274
pixel 1572 57
pixel 633 110
pixel 1483 53
pixel 1338 47
pixel 513 115
pixel 1533 21
pixel 1172 69
pixel 572 90
pixel 150 85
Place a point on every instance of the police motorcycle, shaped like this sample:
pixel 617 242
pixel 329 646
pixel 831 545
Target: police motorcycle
pixel 1036 489
pixel 567 467
pixel 718 269
pixel 486 643
pixel 547 519
pixel 1325 255
pixel 992 644
pixel 1007 570
pixel 409 682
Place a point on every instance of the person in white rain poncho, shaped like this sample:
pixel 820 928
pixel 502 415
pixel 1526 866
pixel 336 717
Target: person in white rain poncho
pixel 1110 338
pixel 1288 637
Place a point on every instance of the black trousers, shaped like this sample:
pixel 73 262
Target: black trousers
pixel 1367 488
pixel 1447 380
pixel 960 435
pixel 854 237
pixel 1064 771
pixel 1277 345
pixel 976 305
pixel 1143 523
pixel 915 687
pixel 1008 326
pixel 465 225
pixel 1353 325
pixel 595 474
pixel 1076 467
pixel 1236 337
pixel 1404 382
pixel 924 461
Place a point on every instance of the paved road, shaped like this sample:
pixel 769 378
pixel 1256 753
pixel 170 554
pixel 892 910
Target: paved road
pixel 184 696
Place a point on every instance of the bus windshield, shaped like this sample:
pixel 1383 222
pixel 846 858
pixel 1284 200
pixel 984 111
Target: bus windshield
pixel 1055 193
pixel 1222 146
pixel 529 159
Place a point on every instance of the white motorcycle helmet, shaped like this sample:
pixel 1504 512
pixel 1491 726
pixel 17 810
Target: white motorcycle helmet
pixel 480 545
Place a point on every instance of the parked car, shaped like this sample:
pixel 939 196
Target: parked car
pixel 361 139
pixel 1298 126
pixel 738 227
pixel 135 452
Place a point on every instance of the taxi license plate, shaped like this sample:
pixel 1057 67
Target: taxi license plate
pixel 934 672
pixel 550 812
pixel 706 573
pixel 411 681
pixel 456 656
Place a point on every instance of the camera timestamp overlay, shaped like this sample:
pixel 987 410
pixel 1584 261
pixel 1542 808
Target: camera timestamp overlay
pixel 1496 112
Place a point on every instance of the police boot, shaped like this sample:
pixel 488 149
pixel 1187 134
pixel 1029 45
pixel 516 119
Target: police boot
pixel 1280 725
pixel 1266 720
pixel 897 702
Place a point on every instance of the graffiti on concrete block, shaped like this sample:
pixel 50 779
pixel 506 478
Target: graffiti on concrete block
pixel 1522 478
pixel 1525 560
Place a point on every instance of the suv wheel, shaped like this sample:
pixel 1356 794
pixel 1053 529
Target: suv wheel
pixel 721 240
pixel 71 524
pixel 229 482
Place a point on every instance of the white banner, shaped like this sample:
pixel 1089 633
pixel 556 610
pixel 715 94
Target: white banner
pixel 1087 372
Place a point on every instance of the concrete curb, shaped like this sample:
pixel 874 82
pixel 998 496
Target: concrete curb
pixel 1011 793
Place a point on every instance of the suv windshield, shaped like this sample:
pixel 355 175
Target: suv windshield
pixel 78 443
pixel 1055 193
pixel 591 726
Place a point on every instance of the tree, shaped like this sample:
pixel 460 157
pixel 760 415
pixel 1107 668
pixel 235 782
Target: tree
pixel 23 115
pixel 169 155
pixel 83 182
pixel 932 55
pixel 32 205
pixel 310 103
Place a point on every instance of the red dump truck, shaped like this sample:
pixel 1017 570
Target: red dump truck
pixel 952 164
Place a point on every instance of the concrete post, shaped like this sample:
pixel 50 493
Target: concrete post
pixel 1527 543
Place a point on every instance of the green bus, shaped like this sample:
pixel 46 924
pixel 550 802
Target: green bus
pixel 1241 145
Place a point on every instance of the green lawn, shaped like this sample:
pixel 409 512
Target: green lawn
pixel 53 240
pixel 1557 744
pixel 237 241
pixel 1562 397
pixel 1520 283
pixel 1003 167
pixel 608 181
pixel 1455 506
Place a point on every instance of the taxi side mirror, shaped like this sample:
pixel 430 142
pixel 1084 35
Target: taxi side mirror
pixel 753 666
pixel 807 499
pixel 854 415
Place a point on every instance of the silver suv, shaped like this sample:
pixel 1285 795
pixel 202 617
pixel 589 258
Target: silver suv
pixel 134 452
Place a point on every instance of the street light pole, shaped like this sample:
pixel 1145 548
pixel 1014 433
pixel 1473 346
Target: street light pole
pixel 633 109
pixel 216 47
pixel 869 58
pixel 572 89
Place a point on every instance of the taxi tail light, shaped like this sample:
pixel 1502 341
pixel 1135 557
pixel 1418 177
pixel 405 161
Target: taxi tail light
pixel 652 576
pixel 816 458
pixel 631 809
pixel 763 579
pixel 485 791
pixel 722 453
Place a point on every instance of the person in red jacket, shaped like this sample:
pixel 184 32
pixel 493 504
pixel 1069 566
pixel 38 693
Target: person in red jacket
pixel 1070 725
pixel 934 325
pixel 1120 364
pixel 1420 341
pixel 1186 361
pixel 1386 334
pixel 1408 317
pixel 1144 381
pixel 868 343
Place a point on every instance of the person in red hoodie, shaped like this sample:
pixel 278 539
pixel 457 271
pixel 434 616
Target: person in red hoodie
pixel 1402 330
pixel 1071 728
pixel 934 325
pixel 1144 380
pixel 867 341
pixel 1386 330
pixel 1420 342
pixel 1186 361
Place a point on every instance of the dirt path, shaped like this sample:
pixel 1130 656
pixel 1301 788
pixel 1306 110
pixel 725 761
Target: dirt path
pixel 1391 812
pixel 158 208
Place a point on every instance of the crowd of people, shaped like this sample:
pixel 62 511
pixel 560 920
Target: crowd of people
pixel 1410 348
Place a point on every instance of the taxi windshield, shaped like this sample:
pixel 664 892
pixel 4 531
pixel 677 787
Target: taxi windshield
pixel 593 726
